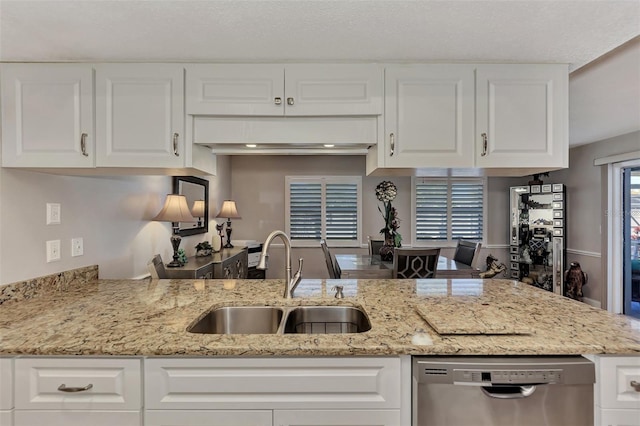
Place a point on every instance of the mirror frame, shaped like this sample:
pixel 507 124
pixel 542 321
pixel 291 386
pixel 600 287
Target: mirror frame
pixel 205 184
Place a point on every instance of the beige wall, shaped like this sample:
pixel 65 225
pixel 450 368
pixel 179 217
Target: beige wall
pixel 586 208
pixel 112 215
pixel 258 184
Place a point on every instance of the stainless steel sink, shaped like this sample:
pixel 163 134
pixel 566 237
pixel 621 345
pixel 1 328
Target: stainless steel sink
pixel 326 320
pixel 281 320
pixel 240 320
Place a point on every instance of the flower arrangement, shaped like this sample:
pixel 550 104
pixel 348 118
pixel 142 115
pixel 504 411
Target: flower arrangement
pixel 386 192
pixel 203 249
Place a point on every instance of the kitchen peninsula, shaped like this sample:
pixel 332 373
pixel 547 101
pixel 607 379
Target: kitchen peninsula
pixel 147 369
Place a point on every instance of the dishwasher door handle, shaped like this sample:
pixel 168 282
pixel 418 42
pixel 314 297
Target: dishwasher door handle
pixel 508 392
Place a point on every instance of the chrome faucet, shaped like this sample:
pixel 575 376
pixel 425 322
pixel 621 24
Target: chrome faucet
pixel 291 282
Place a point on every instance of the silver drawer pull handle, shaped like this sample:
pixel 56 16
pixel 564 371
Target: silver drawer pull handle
pixel 175 145
pixel 484 144
pixel 64 388
pixel 392 143
pixel 635 385
pixel 277 101
pixel 83 144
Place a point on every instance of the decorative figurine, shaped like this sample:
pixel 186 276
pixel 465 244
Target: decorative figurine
pixel 217 239
pixel 574 280
pixel 493 268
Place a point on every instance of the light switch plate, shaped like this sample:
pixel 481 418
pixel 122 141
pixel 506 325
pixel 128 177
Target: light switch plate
pixel 53 250
pixel 77 247
pixel 53 213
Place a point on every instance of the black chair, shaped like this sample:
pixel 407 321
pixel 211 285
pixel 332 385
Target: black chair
pixel 329 259
pixel 467 252
pixel 374 246
pixel 415 263
pixel 156 268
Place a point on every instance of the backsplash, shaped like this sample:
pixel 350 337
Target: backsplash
pixel 47 284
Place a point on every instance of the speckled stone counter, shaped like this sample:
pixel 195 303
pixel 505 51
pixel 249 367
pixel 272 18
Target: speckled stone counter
pixel 123 317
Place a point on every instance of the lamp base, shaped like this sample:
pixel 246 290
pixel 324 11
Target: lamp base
pixel 228 243
pixel 175 243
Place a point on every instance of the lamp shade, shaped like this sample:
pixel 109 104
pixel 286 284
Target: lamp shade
pixel 175 210
pixel 229 210
pixel 198 208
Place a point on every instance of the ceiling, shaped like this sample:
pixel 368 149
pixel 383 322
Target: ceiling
pixel 560 31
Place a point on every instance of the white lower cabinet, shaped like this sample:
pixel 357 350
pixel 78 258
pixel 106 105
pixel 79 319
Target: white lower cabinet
pixel 280 391
pixel 208 418
pixel 78 391
pixel 6 391
pixel 336 417
pixel 6 417
pixel 617 393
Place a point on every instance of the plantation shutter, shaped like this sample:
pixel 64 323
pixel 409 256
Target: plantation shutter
pixel 466 210
pixel 305 211
pixel 431 211
pixel 342 211
pixel 449 209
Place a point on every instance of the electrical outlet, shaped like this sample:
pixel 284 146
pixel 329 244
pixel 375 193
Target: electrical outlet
pixel 53 214
pixel 53 250
pixel 77 247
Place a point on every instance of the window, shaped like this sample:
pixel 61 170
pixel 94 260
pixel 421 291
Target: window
pixel 448 209
pixel 323 207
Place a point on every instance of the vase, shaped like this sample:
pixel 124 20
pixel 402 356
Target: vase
pixel 386 251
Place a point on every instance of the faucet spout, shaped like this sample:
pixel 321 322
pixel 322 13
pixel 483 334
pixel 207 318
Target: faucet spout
pixel 291 282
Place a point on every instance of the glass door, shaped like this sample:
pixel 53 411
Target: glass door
pixel 631 240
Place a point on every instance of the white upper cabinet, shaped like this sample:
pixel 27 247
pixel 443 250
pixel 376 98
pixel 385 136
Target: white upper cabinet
pixel 522 115
pixel 429 116
pixel 140 115
pixel 278 90
pixel 47 115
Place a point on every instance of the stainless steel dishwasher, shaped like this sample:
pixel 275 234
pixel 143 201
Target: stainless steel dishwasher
pixel 495 391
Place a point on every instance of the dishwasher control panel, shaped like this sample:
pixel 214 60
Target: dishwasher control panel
pixel 507 377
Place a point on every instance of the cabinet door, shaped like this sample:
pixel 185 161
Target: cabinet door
pixel 47 115
pixel 6 383
pixel 333 89
pixel 208 418
pixel 429 116
pixel 619 382
pixel 235 89
pixel 522 116
pixel 140 115
pixel 618 418
pixel 336 417
pixel 76 418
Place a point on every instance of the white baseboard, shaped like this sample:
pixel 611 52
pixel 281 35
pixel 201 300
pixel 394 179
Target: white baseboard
pixel 141 277
pixel 592 302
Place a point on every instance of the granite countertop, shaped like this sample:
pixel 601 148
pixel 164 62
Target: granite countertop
pixel 126 317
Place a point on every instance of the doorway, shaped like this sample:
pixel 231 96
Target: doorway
pixel 631 240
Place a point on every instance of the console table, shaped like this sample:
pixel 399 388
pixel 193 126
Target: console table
pixel 225 264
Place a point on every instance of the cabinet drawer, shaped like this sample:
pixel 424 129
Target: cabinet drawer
pixel 77 418
pixel 616 374
pixel 263 383
pixel 6 384
pixel 115 383
pixel 619 418
pixel 6 418
pixel 208 418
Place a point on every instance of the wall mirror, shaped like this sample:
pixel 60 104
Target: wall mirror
pixel 196 191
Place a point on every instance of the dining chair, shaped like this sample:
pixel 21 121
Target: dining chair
pixel 415 263
pixel 328 259
pixel 156 268
pixel 467 252
pixel 374 246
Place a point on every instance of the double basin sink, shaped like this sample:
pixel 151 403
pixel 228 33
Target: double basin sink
pixel 282 320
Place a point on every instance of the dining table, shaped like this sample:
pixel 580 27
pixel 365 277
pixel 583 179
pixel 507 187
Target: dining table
pixel 365 266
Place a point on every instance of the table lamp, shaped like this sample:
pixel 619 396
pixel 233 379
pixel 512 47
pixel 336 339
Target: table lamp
pixel 229 211
pixel 175 210
pixel 198 211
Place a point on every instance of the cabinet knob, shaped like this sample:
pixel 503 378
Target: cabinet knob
pixel 392 144
pixel 484 144
pixel 64 388
pixel 175 145
pixel 83 144
pixel 635 385
pixel 277 101
pixel 289 101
